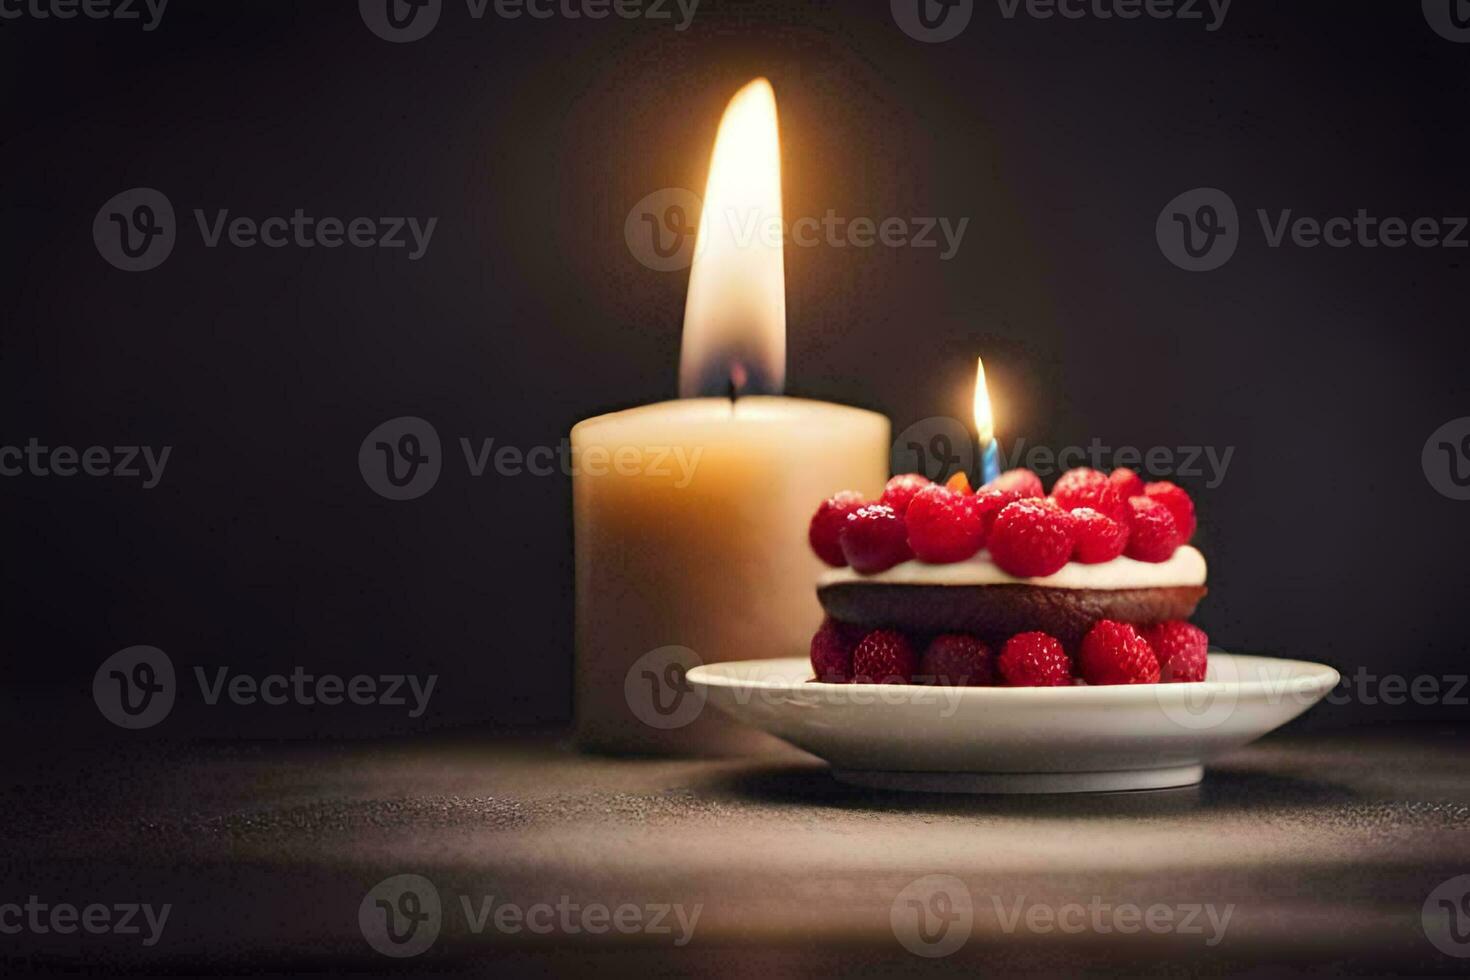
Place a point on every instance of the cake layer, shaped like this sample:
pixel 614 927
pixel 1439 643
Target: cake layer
pixel 999 611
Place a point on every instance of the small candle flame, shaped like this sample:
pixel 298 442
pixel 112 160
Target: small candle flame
pixel 735 314
pixel 984 414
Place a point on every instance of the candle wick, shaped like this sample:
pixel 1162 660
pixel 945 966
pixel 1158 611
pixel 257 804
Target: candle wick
pixel 738 378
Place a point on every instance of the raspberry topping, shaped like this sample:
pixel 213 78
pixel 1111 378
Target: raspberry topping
pixel 874 539
pixel 1035 660
pixel 1099 538
pixel 1116 653
pixel 832 647
pixel 901 489
pixel 1173 497
pixel 1024 482
pixel 1083 487
pixel 884 657
pixel 957 660
pixel 827 523
pixel 1129 483
pixel 1154 534
pixel 1183 650
pixel 1031 538
pixel 944 526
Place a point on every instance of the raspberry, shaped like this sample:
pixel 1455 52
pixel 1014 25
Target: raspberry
pixel 874 539
pixel 832 647
pixel 959 483
pixel 1154 535
pixel 1024 482
pixel 1115 653
pixel 1099 537
pixel 944 526
pixel 1129 483
pixel 1083 487
pixel 884 657
pixel 958 660
pixel 1179 504
pixel 827 523
pixel 1031 538
pixel 1183 650
pixel 901 490
pixel 1035 660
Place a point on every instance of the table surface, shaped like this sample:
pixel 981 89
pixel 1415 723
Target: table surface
pixel 1324 847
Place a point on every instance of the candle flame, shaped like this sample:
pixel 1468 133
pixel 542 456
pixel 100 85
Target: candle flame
pixel 735 314
pixel 984 414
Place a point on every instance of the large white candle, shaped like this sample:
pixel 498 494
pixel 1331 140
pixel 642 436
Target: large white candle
pixel 691 516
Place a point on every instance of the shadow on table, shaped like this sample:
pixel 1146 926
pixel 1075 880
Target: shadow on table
pixel 1223 790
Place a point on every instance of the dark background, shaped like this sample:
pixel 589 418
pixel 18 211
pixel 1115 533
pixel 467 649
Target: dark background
pixel 263 548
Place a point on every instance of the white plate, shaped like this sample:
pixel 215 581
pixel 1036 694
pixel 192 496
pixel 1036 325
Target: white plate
pixel 1018 739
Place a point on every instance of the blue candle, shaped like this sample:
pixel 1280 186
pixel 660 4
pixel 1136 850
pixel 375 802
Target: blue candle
pixel 985 427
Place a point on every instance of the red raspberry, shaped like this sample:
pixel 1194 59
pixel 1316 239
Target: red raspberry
pixel 1129 483
pixel 1099 538
pixel 958 660
pixel 1179 504
pixel 827 523
pixel 1183 650
pixel 944 526
pixel 1083 487
pixel 884 657
pixel 1031 538
pixel 1024 482
pixel 1115 653
pixel 901 490
pixel 874 539
pixel 1153 535
pixel 832 647
pixel 1035 660
pixel 990 502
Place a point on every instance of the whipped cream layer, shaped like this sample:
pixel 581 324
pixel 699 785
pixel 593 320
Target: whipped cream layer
pixel 1185 567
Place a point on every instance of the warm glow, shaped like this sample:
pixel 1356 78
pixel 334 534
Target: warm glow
pixel 984 415
pixel 735 314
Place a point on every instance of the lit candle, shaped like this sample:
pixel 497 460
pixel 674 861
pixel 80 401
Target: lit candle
pixel 985 427
pixel 711 554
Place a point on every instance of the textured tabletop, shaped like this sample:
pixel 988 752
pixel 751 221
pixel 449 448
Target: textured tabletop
pixel 1315 851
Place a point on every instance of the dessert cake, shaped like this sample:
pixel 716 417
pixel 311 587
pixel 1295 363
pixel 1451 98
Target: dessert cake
pixel 934 583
